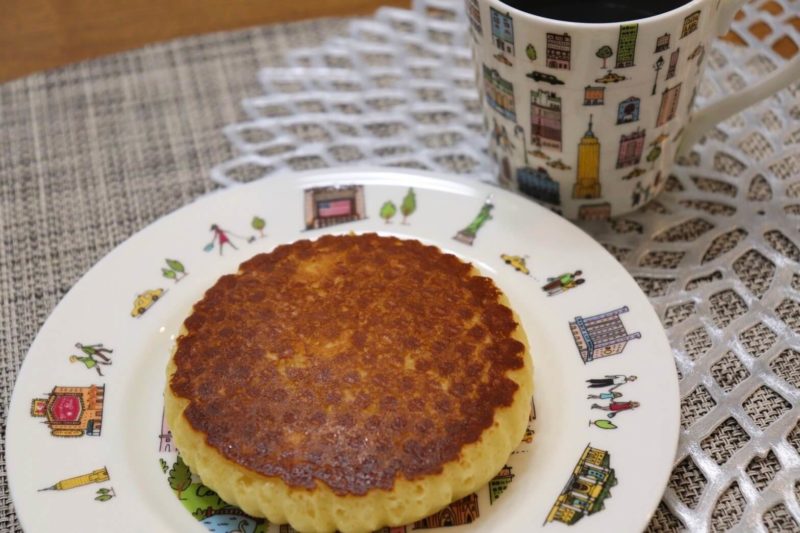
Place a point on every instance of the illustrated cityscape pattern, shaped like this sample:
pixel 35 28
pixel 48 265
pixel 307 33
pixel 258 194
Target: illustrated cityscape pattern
pixel 536 127
pixel 78 411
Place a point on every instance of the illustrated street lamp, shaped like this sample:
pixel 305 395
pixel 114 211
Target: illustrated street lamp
pixel 519 132
pixel 657 66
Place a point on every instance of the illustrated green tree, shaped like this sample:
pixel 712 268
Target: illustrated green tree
pixel 176 270
pixel 604 52
pixel 653 154
pixel 409 204
pixel 530 50
pixel 388 210
pixel 259 224
pixel 103 495
pixel 179 477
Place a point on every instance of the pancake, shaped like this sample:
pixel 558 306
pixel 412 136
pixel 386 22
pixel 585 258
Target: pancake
pixel 349 383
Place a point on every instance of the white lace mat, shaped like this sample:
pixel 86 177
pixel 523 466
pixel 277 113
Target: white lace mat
pixel 717 252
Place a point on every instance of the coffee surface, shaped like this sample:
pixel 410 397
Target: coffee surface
pixel 596 12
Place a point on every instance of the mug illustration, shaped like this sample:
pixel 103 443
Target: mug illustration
pixel 625 86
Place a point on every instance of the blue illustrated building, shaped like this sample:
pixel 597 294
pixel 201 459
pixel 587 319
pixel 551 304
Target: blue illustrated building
pixel 537 183
pixel 628 110
pixel 503 31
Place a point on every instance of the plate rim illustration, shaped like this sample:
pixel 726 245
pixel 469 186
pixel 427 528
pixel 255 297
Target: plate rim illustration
pixel 607 396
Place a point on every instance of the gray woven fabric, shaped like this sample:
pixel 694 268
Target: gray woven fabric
pixel 93 152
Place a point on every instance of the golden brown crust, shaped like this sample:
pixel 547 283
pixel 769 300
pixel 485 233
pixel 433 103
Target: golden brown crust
pixel 351 360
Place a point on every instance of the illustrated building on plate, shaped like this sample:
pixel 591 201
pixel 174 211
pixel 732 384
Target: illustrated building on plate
pixel 669 105
pixel 628 110
pixel 537 183
pixel 593 95
pixel 500 483
pixel 96 476
pixel 474 13
pixel 499 93
pixel 546 119
pixel 502 31
pixel 630 149
pixel 587 184
pixel 165 443
pixel 327 206
pixel 460 512
pixel 559 46
pixel 690 23
pixel 626 45
pixel 601 335
pixel 662 43
pixel 72 411
pixel 587 488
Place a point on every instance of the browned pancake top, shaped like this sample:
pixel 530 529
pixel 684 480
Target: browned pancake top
pixel 349 360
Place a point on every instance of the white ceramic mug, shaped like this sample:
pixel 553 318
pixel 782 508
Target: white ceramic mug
pixel 590 117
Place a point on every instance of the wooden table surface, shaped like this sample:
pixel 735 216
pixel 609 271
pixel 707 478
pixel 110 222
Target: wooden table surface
pixel 40 34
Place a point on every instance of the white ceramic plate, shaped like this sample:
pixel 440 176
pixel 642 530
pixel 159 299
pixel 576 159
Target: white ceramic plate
pixel 97 441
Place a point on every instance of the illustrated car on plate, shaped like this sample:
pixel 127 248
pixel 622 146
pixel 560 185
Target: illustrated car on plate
pixel 517 262
pixel 145 301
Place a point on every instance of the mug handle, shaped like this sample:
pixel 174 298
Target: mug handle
pixel 702 120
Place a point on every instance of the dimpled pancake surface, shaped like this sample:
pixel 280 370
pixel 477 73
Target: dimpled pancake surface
pixel 348 363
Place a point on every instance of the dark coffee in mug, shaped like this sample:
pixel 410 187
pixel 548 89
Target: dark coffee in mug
pixel 596 11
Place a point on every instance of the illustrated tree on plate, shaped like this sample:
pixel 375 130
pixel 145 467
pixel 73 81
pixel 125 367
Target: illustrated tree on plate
pixel 179 477
pixel 103 495
pixel 176 270
pixel 604 52
pixel 388 210
pixel 409 204
pixel 530 51
pixel 259 224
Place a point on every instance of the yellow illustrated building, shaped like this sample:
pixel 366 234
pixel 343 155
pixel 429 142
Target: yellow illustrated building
pixel 587 488
pixel 588 177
